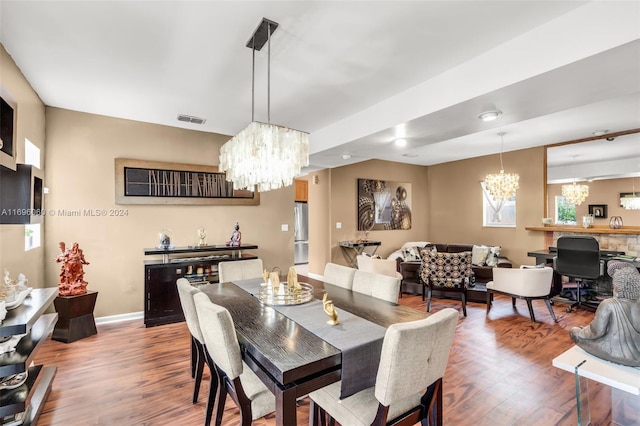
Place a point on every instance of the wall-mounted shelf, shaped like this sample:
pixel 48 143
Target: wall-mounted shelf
pixel 21 195
pixel 628 230
pixel 8 120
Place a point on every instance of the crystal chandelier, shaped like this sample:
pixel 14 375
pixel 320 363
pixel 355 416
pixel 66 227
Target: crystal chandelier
pixel 574 193
pixel 502 185
pixel 264 156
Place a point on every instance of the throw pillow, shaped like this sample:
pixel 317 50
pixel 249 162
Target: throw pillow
pixel 479 255
pixel 492 257
pixel 411 254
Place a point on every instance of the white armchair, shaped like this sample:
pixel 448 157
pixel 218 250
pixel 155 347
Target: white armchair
pixel 525 283
pixel 379 266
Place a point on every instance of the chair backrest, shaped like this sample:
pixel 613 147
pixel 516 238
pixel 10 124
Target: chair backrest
pixel 414 355
pixel 451 270
pixel 526 282
pixel 219 334
pixel 379 266
pixel 239 270
pixel 186 292
pixel 379 286
pixel 339 275
pixel 578 256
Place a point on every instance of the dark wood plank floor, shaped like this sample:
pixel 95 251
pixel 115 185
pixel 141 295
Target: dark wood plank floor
pixel 499 373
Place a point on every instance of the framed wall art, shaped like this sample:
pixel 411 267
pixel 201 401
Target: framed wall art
pixel 599 211
pixel 383 204
pixel 156 182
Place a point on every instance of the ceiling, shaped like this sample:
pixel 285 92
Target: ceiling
pixel 354 74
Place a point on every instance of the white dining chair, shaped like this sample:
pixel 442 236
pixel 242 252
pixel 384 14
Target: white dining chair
pixel 414 358
pixel 339 275
pixel 251 396
pixel 239 270
pixel 185 293
pixel 377 285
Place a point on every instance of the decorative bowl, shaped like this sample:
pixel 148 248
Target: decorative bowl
pixel 547 221
pixel 299 296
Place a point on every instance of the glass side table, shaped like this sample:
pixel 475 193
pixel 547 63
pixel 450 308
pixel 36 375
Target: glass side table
pixel 623 381
pixel 352 249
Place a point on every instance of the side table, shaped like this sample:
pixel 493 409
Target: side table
pixel 352 249
pixel 75 317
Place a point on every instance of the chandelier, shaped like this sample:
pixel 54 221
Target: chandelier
pixel 574 193
pixel 264 156
pixel 502 185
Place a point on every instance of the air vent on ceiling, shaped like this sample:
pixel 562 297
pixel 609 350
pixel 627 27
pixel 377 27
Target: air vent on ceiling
pixel 191 119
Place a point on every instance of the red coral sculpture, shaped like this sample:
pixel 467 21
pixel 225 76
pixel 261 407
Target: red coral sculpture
pixel 72 273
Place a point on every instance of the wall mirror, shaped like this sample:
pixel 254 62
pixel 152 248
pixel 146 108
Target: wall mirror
pixel 609 165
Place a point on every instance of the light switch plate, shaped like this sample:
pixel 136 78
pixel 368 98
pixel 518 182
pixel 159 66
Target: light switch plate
pixel 338 225
pixel 285 227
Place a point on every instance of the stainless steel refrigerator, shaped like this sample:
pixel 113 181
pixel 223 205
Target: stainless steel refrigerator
pixel 301 234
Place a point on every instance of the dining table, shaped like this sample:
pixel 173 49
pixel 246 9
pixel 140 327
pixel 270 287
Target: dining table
pixel 292 354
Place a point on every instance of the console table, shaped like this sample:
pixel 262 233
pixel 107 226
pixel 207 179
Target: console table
pixel 198 264
pixel 352 249
pixel 624 382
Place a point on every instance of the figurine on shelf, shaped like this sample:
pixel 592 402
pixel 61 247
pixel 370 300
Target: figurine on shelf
pixel 614 333
pixel 235 237
pixel 72 272
pixel 202 234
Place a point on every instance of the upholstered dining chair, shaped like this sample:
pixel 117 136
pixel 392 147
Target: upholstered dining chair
pixel 446 272
pixel 222 349
pixel 414 358
pixel 339 275
pixel 526 283
pixel 185 293
pixel 239 270
pixel 377 285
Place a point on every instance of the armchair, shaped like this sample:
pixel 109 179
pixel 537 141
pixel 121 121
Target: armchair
pixel 526 283
pixel 446 272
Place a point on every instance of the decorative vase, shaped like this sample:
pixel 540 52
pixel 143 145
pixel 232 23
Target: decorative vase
pixel 615 222
pixel 587 221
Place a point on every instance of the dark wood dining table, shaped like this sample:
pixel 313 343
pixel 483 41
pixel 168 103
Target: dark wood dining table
pixel 290 360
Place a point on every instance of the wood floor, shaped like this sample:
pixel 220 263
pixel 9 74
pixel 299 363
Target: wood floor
pixel 499 373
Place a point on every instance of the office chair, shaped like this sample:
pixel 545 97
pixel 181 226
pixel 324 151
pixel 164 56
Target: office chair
pixel 578 258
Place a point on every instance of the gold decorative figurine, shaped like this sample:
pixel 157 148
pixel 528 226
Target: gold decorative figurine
pixel 327 305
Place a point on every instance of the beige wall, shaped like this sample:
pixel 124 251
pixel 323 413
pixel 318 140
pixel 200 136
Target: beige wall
pixel 455 203
pixel 30 125
pixel 602 192
pixel 81 149
pixel 319 220
pixel 343 206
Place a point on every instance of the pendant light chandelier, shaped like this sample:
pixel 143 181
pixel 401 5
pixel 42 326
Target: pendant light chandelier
pixel 502 185
pixel 264 156
pixel 574 193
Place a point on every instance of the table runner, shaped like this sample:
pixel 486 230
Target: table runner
pixel 359 340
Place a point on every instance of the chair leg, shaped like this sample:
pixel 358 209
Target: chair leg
pixel 530 306
pixel 221 398
pixel 200 358
pixel 513 302
pixel 429 299
pixel 464 303
pixel 194 356
pixel 214 389
pixel 317 415
pixel 553 314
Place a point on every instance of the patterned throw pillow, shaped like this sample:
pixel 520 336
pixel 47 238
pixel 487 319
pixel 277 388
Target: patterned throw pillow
pixel 492 257
pixel 479 255
pixel 411 254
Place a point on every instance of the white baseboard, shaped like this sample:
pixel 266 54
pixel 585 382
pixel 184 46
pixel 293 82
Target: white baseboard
pixel 315 276
pixel 119 318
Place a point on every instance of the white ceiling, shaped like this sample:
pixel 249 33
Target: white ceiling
pixel 355 74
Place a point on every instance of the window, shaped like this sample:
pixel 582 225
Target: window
pixel 497 213
pixel 565 213
pixel 31 236
pixel 31 153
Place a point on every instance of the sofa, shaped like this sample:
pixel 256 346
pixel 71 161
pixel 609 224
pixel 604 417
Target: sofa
pixel 408 264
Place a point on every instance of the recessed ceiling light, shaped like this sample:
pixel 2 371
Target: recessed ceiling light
pixel 345 156
pixel 490 115
pixel 191 119
pixel 600 132
pixel 410 155
pixel 400 142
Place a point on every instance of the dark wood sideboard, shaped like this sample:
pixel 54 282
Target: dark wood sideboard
pixel 28 318
pixel 195 263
